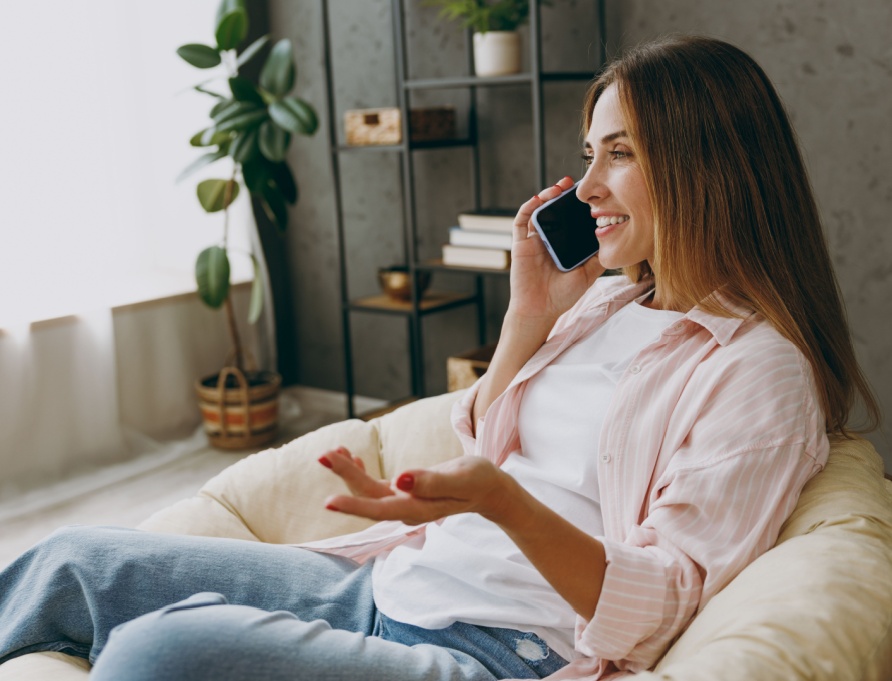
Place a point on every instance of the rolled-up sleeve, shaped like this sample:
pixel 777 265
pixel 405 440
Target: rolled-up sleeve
pixel 707 522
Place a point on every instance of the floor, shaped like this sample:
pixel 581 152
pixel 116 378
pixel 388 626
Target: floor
pixel 131 492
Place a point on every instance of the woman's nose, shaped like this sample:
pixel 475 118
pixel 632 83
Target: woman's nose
pixel 591 188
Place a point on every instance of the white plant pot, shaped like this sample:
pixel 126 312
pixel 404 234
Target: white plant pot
pixel 496 53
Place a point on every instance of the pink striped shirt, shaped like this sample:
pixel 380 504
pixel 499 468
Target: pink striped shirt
pixel 711 434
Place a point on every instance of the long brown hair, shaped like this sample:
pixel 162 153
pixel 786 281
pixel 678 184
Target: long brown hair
pixel 733 206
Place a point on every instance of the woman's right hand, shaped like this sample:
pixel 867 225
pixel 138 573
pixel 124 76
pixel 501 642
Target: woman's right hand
pixel 540 292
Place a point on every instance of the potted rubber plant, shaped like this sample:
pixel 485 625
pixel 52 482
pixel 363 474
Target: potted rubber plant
pixel 252 120
pixel 495 24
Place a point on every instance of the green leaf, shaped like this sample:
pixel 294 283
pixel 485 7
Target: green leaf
pixel 295 115
pixel 244 91
pixel 212 276
pixel 244 146
pixel 227 6
pixel 208 138
pixel 243 121
pixel 219 106
pixel 281 177
pixel 239 116
pixel 256 306
pixel 274 141
pixel 278 73
pixel 274 207
pixel 256 173
pixel 232 109
pixel 251 50
pixel 200 162
pixel 232 29
pixel 200 56
pixel 212 194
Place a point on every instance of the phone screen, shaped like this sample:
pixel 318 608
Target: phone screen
pixel 567 228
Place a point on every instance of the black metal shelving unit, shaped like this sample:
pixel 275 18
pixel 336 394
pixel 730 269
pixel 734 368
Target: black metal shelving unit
pixel 434 302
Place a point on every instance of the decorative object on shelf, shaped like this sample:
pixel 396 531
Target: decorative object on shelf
pixel 496 53
pixel 480 238
pixel 495 24
pixel 370 127
pixel 396 283
pixel 251 123
pixel 488 220
pixel 463 370
pixel 471 256
pixel 432 123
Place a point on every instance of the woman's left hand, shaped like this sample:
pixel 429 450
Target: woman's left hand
pixel 468 484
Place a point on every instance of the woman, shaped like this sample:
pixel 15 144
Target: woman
pixel 638 440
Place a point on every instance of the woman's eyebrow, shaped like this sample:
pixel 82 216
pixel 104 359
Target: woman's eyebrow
pixel 613 136
pixel 608 138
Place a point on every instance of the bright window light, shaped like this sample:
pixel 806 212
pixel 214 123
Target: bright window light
pixel 96 117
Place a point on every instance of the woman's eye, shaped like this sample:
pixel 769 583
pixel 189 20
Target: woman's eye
pixel 587 159
pixel 619 154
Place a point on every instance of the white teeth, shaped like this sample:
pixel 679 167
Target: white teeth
pixel 604 221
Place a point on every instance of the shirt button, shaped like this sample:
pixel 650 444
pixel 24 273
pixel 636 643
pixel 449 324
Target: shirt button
pixel 635 369
pixel 605 458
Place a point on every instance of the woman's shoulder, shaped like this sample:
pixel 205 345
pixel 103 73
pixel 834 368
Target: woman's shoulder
pixel 762 382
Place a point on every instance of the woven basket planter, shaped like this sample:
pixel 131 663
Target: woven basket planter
pixel 240 409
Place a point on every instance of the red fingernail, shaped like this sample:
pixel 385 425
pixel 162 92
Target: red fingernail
pixel 332 507
pixel 405 482
pixel 325 462
pixel 341 450
pixel 536 197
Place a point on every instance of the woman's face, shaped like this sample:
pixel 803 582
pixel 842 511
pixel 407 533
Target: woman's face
pixel 614 188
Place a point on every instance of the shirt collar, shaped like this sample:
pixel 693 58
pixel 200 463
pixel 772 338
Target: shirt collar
pixel 722 328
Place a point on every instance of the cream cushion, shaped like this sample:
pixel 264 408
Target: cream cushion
pixel 818 606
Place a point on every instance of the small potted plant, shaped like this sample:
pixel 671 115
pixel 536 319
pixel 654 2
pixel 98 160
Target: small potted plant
pixel 495 24
pixel 252 121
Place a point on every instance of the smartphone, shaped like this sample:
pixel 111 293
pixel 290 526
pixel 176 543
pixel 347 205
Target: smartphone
pixel 567 228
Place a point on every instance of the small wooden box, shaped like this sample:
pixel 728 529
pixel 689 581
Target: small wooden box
pixel 366 127
pixel 432 123
pixel 464 369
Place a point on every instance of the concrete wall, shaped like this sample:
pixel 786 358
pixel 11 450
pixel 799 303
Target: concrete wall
pixel 831 62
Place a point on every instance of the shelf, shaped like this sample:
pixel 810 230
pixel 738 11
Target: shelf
pixel 567 75
pixel 438 266
pixel 467 81
pixel 432 144
pixel 477 81
pixel 432 301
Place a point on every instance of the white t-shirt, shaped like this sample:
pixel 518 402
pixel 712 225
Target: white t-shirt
pixel 466 568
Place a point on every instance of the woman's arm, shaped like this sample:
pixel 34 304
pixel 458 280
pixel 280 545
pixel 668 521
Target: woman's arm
pixel 569 559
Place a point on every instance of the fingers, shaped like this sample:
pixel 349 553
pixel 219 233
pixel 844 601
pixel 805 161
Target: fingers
pixel 401 507
pixel 522 221
pixel 352 471
pixel 460 480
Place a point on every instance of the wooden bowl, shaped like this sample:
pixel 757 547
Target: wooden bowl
pixel 395 282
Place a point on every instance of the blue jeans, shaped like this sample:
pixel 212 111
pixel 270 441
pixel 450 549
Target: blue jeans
pixel 143 606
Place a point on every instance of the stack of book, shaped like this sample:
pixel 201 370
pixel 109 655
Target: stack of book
pixel 481 239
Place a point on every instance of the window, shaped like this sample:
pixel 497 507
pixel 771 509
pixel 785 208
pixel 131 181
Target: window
pixel 97 113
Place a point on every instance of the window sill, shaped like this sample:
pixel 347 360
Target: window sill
pixel 128 294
